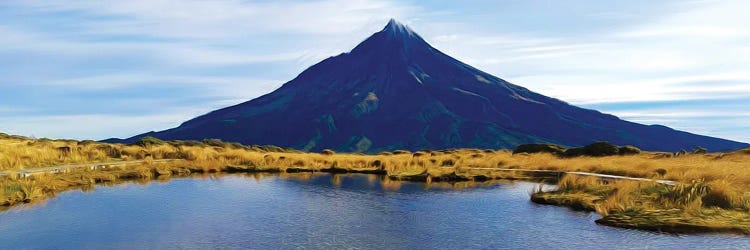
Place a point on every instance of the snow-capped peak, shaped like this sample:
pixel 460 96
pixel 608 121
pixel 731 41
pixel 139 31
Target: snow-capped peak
pixel 398 28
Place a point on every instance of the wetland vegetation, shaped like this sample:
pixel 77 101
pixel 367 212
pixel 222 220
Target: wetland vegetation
pixel 710 194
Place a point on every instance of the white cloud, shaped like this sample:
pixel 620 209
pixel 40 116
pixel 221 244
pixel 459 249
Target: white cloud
pixel 222 87
pixel 222 19
pixel 93 126
pixel 708 120
pixel 198 33
pixel 703 20
pixel 602 88
pixel 173 53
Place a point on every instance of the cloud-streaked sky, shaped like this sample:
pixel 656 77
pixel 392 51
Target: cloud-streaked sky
pixel 99 69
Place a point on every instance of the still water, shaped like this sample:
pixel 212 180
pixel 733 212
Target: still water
pixel 318 211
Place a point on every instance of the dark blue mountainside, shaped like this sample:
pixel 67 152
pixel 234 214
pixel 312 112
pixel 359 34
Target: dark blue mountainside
pixel 395 91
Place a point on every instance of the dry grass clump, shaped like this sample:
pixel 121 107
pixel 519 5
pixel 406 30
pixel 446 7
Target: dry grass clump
pixel 697 206
pixel 19 191
pixel 621 195
pixel 26 153
pixel 684 195
pixel 576 183
pixel 719 193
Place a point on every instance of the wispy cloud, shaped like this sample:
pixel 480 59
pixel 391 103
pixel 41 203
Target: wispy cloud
pixel 651 60
pixel 220 19
pixel 689 51
pixel 89 126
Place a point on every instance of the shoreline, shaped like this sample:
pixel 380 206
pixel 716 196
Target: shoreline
pixel 709 190
pixel 168 168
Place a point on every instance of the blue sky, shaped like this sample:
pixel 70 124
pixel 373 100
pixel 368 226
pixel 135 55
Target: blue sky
pixel 100 69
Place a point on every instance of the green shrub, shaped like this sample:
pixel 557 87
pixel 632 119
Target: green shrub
pixel 214 142
pixel 85 142
pixel 574 152
pixel 7 136
pixel 601 149
pixel 539 148
pixel 594 149
pixel 629 150
pixel 148 141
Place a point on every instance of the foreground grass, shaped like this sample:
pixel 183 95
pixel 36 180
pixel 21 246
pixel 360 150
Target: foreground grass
pixel 712 195
pixel 698 206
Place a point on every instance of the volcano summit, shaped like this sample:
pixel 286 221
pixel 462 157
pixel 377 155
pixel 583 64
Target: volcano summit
pixel 395 91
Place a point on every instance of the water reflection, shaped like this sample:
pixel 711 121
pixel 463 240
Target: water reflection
pixel 381 182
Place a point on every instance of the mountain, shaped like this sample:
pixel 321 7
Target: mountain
pixel 395 91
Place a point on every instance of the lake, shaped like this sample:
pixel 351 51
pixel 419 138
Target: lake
pixel 318 211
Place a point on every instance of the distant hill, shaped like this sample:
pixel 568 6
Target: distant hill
pixel 395 91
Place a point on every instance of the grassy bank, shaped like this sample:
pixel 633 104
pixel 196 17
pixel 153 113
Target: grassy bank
pixel 712 195
pixel 696 206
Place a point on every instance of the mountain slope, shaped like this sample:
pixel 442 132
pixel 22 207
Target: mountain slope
pixel 395 91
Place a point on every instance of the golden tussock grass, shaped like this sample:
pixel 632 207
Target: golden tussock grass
pixel 721 170
pixel 707 182
pixel 28 154
pixel 697 206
